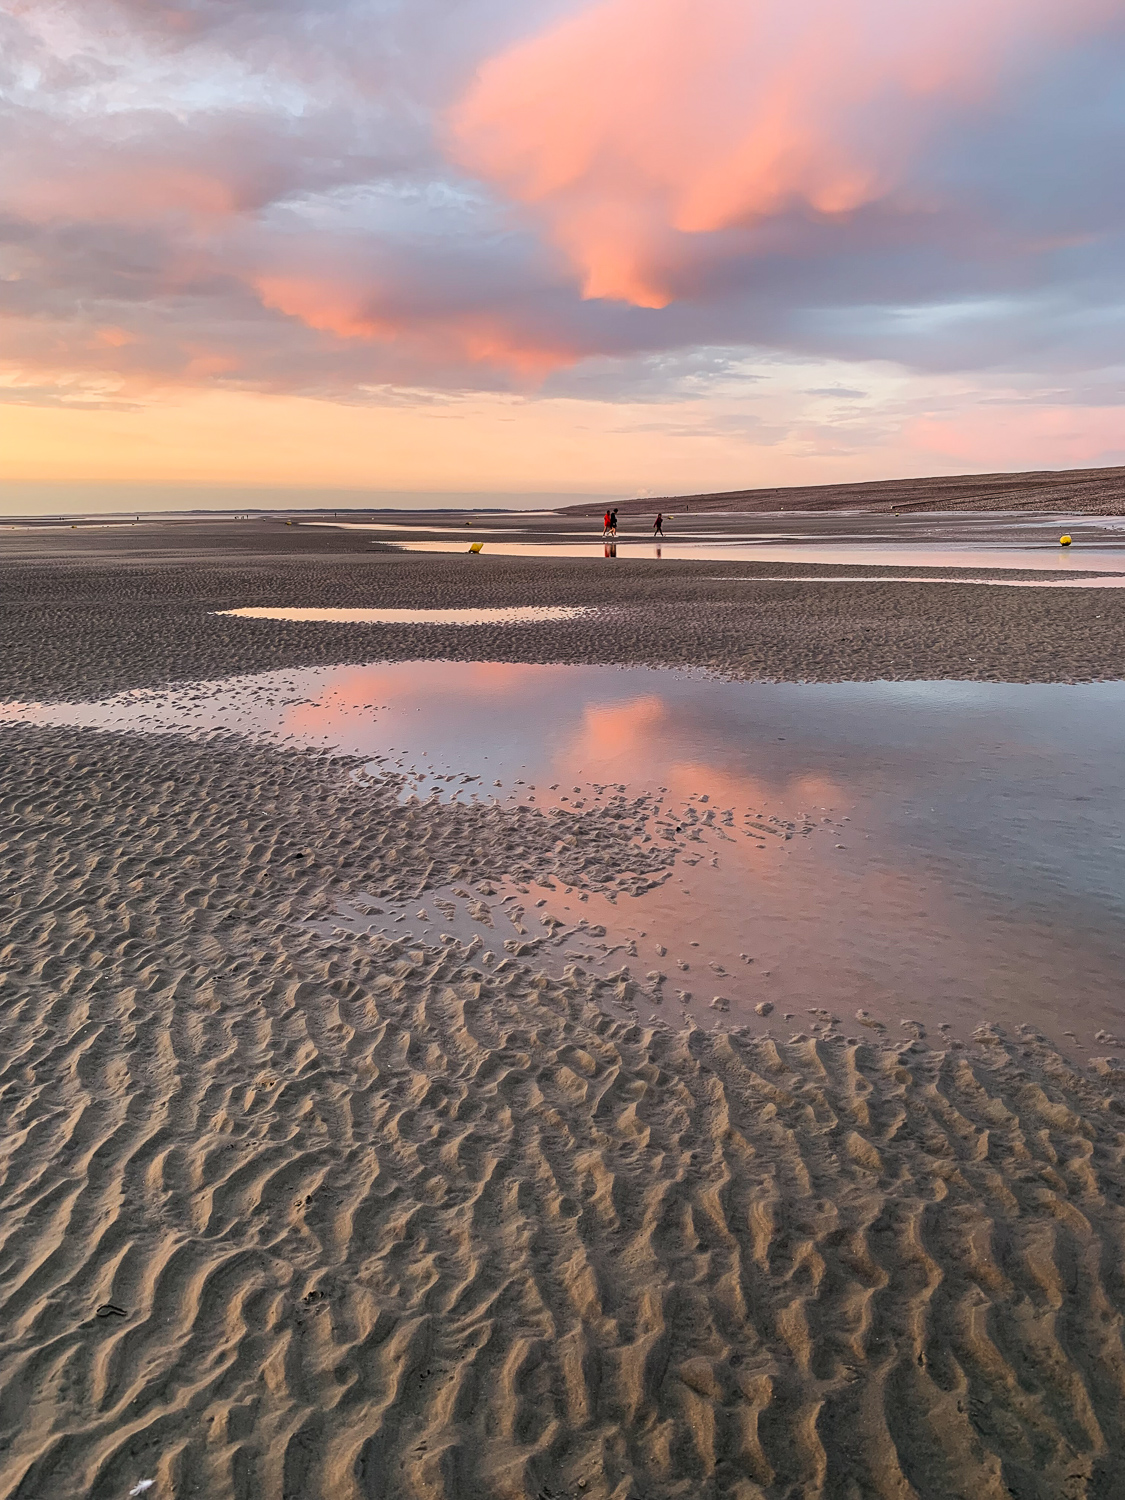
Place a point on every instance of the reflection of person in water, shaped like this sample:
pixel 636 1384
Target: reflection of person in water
pixel 658 525
pixel 611 549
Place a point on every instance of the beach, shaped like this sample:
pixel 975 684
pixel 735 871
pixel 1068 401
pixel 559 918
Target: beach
pixel 107 608
pixel 295 1210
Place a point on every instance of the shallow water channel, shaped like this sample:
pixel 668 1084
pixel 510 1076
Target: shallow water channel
pixel 981 540
pixel 945 852
pixel 1045 559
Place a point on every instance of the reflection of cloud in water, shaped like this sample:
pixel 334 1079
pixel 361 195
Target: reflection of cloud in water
pixel 441 689
pixel 650 737
pixel 969 873
pixel 616 730
pixel 820 791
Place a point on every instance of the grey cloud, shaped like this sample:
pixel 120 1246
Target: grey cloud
pixel 1005 251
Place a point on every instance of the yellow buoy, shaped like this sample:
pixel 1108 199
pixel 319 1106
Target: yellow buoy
pixel 475 546
pixel 1064 541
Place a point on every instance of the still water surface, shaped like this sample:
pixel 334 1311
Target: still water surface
pixel 986 539
pixel 964 857
pixel 531 614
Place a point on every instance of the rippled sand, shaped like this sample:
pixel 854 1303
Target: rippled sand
pixel 85 614
pixel 287 1215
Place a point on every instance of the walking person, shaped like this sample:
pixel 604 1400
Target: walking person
pixel 613 521
pixel 606 522
pixel 658 525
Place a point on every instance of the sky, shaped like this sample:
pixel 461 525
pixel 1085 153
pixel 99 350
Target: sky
pixel 530 247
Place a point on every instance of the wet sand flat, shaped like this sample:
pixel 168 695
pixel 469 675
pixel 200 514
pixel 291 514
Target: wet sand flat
pixel 88 613
pixel 304 1214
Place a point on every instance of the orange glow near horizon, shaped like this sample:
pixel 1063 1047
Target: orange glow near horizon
pixel 470 443
pixel 484 443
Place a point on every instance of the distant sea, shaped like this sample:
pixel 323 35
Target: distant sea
pixel 76 499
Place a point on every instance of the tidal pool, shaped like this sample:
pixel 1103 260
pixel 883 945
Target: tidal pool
pixel 945 852
pixel 1045 558
pixel 531 614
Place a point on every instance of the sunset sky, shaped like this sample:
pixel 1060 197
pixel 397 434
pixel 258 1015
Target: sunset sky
pixel 532 247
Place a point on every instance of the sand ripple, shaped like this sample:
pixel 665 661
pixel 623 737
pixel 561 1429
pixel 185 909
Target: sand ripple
pixel 287 1216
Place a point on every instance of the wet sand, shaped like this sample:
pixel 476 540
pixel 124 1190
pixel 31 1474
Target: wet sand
pixel 87 613
pixel 303 1215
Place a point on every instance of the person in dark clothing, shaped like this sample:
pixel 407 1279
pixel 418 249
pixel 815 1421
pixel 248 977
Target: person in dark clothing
pixel 658 525
pixel 613 521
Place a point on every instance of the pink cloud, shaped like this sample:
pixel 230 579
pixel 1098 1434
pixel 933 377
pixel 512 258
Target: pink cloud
pixel 637 126
pixel 258 194
pixel 134 192
pixel 367 312
pixel 324 305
